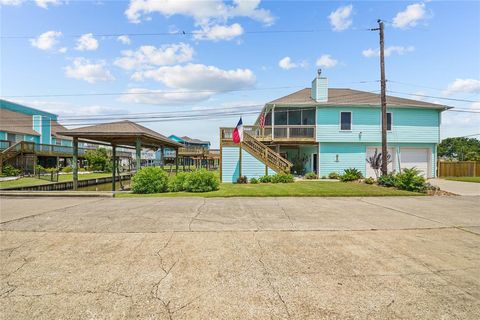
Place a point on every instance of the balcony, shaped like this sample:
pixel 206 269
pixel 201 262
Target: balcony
pixel 286 133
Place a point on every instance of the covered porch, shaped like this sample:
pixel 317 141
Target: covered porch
pixel 124 134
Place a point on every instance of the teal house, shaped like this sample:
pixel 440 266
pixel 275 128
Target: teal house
pixel 323 130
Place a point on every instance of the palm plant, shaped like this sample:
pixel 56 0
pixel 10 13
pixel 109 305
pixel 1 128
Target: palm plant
pixel 375 161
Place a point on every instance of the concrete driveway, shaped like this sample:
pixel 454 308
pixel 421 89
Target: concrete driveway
pixel 247 258
pixel 457 187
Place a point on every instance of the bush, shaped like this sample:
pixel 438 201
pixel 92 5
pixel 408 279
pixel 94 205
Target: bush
pixel 369 180
pixel 67 169
pixel 387 180
pixel 177 182
pixel 150 180
pixel 253 181
pixel 9 171
pixel 242 180
pixel 98 160
pixel 351 174
pixel 201 181
pixel 410 180
pixel 265 179
pixel 333 175
pixel 324 177
pixel 311 176
pixel 282 178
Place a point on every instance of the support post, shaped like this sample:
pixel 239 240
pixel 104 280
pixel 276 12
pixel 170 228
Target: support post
pixel 138 154
pixel 162 154
pixel 75 163
pixel 383 99
pixel 114 166
pixel 176 161
pixel 240 158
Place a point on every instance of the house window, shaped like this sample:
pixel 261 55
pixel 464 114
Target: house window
pixel 294 117
pixel 280 117
pixel 389 121
pixel 345 121
pixel 308 117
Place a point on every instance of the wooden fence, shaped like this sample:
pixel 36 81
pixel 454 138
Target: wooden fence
pixel 459 168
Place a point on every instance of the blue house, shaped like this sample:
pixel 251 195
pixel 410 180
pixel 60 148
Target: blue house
pixel 323 130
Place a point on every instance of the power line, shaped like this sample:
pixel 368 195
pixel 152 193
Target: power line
pixel 433 97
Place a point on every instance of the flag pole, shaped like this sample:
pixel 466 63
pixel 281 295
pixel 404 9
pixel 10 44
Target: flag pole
pixel 240 158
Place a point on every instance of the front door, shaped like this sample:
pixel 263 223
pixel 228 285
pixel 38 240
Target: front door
pixel 315 163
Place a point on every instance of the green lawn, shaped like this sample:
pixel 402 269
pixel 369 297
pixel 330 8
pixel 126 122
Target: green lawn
pixel 297 189
pixel 28 181
pixel 464 179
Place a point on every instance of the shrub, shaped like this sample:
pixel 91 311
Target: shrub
pixel 177 182
pixel 9 171
pixel 253 181
pixel 333 175
pixel 324 177
pixel 351 174
pixel 150 180
pixel 375 161
pixel 410 180
pixel 311 176
pixel 387 180
pixel 265 179
pixel 282 178
pixel 98 160
pixel 67 169
pixel 201 181
pixel 299 165
pixel 242 180
pixel 369 180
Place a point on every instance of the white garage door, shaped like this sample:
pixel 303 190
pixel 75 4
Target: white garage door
pixel 371 151
pixel 415 157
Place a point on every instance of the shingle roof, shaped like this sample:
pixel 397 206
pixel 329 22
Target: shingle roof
pixel 120 131
pixel 341 96
pixel 16 122
pixel 194 141
pixel 57 127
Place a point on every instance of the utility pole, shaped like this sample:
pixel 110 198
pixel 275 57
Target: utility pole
pixel 383 87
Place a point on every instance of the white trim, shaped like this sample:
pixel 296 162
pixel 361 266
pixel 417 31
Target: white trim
pixel 340 121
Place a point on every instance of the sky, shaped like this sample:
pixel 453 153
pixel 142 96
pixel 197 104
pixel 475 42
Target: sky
pixel 89 60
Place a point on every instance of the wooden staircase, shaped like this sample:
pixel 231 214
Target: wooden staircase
pixel 14 150
pixel 265 154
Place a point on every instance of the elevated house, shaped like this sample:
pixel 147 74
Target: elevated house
pixel 323 130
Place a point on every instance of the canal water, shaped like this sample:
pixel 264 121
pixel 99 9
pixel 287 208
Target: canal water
pixel 107 186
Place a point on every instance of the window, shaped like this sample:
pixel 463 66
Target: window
pixel 308 117
pixel 294 117
pixel 389 121
pixel 280 117
pixel 345 121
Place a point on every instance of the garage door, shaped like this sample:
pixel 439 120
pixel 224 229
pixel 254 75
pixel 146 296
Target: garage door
pixel 371 151
pixel 415 157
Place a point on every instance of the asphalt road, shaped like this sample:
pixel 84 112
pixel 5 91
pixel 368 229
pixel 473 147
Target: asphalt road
pixel 240 258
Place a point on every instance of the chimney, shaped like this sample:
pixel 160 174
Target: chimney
pixel 319 91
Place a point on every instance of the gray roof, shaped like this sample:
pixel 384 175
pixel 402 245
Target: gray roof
pixel 57 127
pixel 16 122
pixel 121 132
pixel 194 141
pixel 341 96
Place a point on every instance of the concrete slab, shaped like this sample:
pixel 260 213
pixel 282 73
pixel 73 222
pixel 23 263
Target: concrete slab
pixel 457 187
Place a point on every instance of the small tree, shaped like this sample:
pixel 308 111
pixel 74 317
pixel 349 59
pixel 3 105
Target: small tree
pixel 98 160
pixel 375 161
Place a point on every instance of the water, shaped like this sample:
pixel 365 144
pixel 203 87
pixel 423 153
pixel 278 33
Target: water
pixel 106 186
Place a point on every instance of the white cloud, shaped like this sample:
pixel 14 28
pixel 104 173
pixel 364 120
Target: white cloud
pixel 124 39
pixel 218 32
pixel 326 61
pixel 63 50
pixel 410 16
pixel 463 86
pixel 400 50
pixel 46 41
pixel 11 2
pixel 45 3
pixel 199 77
pixel 83 69
pixel 203 12
pixel 164 97
pixel 286 63
pixel 148 56
pixel 341 19
pixel 87 43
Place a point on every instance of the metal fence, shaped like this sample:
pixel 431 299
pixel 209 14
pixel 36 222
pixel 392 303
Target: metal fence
pixel 48 175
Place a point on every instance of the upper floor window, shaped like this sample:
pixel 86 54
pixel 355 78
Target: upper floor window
pixel 308 117
pixel 345 121
pixel 389 121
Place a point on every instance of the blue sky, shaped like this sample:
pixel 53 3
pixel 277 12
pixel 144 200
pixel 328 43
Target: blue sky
pixel 232 55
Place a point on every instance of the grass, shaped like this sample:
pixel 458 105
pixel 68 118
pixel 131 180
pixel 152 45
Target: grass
pixel 464 179
pixel 297 189
pixel 30 181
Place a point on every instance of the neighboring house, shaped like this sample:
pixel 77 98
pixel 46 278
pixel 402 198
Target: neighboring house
pixel 324 130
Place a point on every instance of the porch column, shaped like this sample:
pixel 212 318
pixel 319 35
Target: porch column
pixel 273 122
pixel 75 163
pixel 114 166
pixel 162 153
pixel 176 161
pixel 138 154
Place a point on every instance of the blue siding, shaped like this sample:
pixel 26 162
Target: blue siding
pixel 46 134
pixel 320 89
pixel 25 110
pixel 251 166
pixel 230 164
pixel 3 135
pixel 408 125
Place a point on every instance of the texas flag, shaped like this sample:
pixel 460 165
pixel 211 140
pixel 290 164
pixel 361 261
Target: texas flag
pixel 238 132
